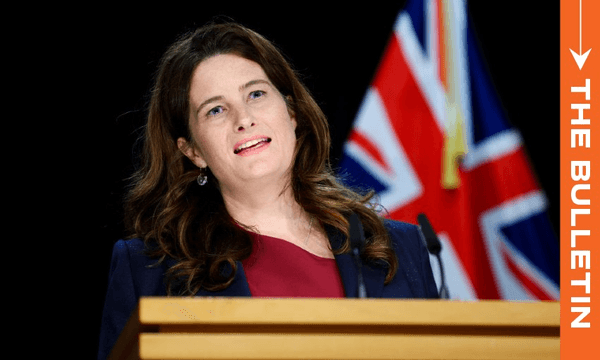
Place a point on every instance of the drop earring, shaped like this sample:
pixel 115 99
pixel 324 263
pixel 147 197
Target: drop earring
pixel 202 179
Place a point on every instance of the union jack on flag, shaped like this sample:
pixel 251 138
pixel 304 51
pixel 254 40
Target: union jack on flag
pixel 431 137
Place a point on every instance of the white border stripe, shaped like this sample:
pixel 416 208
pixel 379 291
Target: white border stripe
pixel 493 148
pixel 423 69
pixel 491 222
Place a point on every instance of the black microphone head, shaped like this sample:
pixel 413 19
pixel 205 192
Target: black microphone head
pixel 433 243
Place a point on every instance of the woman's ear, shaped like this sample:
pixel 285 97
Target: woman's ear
pixel 191 152
pixel 289 102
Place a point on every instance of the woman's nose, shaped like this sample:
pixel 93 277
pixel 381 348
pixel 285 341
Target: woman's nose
pixel 244 119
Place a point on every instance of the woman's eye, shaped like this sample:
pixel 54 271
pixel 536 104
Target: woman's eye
pixel 256 94
pixel 215 111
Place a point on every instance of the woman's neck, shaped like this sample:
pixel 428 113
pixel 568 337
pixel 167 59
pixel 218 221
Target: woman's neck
pixel 278 214
pixel 270 210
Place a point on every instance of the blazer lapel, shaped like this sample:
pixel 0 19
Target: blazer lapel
pixel 373 275
pixel 348 273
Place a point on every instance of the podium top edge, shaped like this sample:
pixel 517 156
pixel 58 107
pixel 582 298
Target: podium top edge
pixel 235 310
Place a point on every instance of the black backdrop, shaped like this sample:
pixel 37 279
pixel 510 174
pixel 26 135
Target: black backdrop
pixel 97 68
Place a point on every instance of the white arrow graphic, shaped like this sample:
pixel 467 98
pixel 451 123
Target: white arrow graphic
pixel 580 58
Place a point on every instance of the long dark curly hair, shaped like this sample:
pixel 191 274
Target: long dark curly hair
pixel 178 219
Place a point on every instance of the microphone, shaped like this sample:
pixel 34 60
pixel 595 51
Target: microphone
pixel 434 246
pixel 431 240
pixel 357 238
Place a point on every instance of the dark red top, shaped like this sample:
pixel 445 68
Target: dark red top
pixel 277 268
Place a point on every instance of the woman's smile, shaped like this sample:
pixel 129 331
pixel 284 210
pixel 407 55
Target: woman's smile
pixel 251 146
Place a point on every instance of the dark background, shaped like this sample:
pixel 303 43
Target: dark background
pixel 92 69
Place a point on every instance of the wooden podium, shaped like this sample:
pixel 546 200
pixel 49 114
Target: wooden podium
pixel 255 328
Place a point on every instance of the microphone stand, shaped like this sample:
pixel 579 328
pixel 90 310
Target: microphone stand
pixel 434 246
pixel 357 238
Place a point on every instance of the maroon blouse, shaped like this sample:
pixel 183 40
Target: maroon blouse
pixel 277 268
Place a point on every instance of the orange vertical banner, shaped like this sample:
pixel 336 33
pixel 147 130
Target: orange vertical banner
pixel 580 178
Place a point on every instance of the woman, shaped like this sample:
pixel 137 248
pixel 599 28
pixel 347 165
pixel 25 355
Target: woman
pixel 236 197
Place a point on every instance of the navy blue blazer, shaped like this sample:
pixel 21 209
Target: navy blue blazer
pixel 130 278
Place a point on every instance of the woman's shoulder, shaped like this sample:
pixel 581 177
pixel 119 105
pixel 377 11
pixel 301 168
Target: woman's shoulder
pixel 130 262
pixel 406 239
pixel 125 246
pixel 134 254
pixel 413 258
pixel 402 229
pixel 399 225
pixel 130 249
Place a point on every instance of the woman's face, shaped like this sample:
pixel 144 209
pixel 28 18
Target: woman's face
pixel 240 123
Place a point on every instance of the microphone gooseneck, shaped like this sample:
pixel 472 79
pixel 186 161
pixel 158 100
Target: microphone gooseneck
pixel 434 246
pixel 357 239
